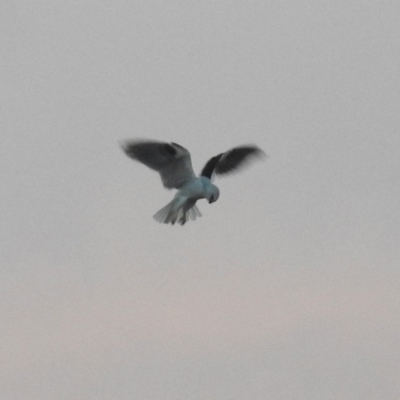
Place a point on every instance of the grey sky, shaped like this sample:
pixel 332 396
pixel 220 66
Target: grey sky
pixel 287 287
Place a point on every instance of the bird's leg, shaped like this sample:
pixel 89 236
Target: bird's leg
pixel 177 205
pixel 186 210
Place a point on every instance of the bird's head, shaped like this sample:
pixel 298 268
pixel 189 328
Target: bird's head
pixel 212 194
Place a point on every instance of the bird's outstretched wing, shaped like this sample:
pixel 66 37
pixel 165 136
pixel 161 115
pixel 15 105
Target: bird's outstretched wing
pixel 171 160
pixel 231 160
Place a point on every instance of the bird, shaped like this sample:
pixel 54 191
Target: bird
pixel 173 162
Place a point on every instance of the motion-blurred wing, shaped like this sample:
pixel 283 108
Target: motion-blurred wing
pixel 231 161
pixel 171 160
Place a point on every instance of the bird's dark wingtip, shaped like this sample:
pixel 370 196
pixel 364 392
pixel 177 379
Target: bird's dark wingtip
pixel 237 158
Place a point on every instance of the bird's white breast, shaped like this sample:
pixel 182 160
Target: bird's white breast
pixel 196 188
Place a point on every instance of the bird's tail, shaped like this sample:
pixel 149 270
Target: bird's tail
pixel 175 210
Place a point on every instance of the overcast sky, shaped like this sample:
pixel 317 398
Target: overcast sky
pixel 287 288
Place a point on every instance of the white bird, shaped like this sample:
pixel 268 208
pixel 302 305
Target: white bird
pixel 174 165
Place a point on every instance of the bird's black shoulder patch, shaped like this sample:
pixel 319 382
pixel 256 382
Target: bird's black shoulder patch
pixel 170 149
pixel 209 168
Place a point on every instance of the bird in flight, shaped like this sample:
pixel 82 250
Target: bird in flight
pixel 174 165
